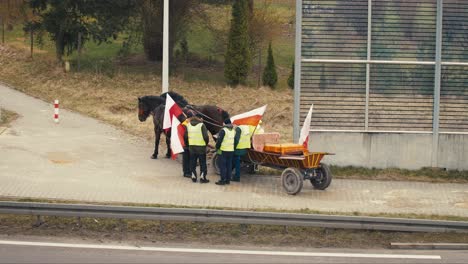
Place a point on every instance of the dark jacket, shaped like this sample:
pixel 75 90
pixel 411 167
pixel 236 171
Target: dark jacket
pixel 221 134
pixel 197 149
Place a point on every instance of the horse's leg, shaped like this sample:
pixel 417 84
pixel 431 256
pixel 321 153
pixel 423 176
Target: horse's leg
pixel 157 136
pixel 168 143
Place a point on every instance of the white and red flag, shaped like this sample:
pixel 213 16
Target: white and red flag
pixel 250 118
pixel 304 137
pixel 172 109
pixel 177 137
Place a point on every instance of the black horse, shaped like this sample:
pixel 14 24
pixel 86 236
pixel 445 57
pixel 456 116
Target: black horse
pixel 213 116
pixel 149 105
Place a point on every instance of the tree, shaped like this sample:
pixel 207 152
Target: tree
pixel 238 59
pixel 264 25
pixel 99 20
pixel 10 14
pixel 291 77
pixel 151 13
pixel 270 77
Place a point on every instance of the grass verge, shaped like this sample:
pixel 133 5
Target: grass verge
pixel 434 175
pixel 214 233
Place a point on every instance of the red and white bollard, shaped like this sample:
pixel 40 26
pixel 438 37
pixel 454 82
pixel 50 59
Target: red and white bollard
pixel 56 111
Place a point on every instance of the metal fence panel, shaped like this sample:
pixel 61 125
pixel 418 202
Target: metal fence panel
pixel 338 93
pixel 385 77
pixel 334 29
pixel 403 30
pixel 401 97
pixel 454 99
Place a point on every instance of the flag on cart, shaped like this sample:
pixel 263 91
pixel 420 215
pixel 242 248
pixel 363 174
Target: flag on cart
pixel 304 137
pixel 172 109
pixel 250 118
pixel 177 137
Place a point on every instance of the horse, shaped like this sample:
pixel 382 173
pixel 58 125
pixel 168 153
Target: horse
pixel 147 105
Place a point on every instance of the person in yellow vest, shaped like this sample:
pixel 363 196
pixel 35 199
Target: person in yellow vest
pixel 244 133
pixel 197 137
pixel 226 144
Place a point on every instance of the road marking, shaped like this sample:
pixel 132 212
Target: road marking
pixel 220 251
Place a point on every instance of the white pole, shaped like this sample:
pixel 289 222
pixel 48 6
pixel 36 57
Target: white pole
pixel 165 66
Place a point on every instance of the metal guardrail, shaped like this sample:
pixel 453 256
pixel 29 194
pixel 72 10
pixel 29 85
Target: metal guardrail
pixel 237 217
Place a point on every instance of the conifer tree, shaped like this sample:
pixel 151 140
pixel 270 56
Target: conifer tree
pixel 238 59
pixel 270 77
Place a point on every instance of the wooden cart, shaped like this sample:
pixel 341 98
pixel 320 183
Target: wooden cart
pixel 296 168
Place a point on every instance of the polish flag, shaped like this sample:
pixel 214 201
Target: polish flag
pixel 177 137
pixel 172 109
pixel 304 137
pixel 250 118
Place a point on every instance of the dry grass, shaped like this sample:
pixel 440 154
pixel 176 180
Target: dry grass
pixel 114 99
pixel 434 175
pixel 7 117
pixel 215 234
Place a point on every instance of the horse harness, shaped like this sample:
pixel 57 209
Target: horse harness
pixel 205 116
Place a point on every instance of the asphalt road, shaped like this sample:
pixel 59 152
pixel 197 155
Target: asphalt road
pixel 60 252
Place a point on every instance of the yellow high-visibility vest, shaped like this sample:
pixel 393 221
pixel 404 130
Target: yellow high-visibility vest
pixel 195 135
pixel 228 140
pixel 244 140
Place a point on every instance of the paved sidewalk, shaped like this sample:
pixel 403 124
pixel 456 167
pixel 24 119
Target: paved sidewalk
pixel 86 160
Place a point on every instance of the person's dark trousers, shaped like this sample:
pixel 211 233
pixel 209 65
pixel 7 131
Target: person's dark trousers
pixel 226 165
pixel 186 163
pixel 194 157
pixel 237 159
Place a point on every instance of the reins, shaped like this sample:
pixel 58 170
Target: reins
pixel 207 117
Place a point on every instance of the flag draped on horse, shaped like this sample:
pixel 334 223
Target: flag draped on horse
pixel 171 113
pixel 172 109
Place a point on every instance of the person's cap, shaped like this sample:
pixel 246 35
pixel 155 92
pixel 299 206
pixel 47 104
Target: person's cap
pixel 227 121
pixel 198 115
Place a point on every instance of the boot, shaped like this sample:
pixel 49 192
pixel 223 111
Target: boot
pixel 203 178
pixel 220 182
pixel 194 176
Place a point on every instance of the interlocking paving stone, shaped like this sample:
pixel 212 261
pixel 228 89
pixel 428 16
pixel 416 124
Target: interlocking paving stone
pixel 85 160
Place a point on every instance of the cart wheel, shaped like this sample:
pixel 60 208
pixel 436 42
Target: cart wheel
pixel 292 180
pixel 215 163
pixel 324 177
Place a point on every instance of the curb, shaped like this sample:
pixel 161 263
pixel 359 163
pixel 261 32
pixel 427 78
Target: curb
pixel 443 246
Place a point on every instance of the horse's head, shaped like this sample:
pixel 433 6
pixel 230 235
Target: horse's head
pixel 144 109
